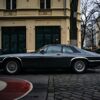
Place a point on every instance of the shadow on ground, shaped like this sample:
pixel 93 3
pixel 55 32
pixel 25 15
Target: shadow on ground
pixel 46 72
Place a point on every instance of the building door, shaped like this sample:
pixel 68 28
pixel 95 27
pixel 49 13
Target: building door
pixel 47 35
pixel 14 39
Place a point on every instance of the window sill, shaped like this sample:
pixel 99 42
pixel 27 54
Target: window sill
pixel 45 10
pixel 10 10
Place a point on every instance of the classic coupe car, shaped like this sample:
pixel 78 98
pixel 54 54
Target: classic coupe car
pixel 54 56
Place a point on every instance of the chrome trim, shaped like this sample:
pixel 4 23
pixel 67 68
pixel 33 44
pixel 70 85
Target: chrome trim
pixel 15 58
pixel 4 59
pixel 20 61
pixel 79 58
pixel 18 58
pixel 94 60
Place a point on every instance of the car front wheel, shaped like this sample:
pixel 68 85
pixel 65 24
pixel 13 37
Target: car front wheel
pixel 12 67
pixel 79 66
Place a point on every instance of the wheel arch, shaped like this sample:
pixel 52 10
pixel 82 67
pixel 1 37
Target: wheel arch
pixel 79 58
pixel 13 59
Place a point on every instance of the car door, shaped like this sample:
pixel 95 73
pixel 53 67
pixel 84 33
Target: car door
pixel 67 55
pixel 35 60
pixel 53 56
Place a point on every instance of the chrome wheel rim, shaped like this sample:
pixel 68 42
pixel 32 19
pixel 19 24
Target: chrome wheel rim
pixel 11 67
pixel 79 66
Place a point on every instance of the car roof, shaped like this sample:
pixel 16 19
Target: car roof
pixel 58 45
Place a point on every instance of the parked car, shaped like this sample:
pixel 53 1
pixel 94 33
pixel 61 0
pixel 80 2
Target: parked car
pixel 54 56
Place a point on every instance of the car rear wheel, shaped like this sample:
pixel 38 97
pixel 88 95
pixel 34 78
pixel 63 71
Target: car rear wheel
pixel 12 67
pixel 79 66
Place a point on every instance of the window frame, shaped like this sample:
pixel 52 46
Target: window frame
pixel 45 4
pixel 72 48
pixel 11 5
pixel 69 48
pixel 54 46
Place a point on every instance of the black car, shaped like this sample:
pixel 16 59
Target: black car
pixel 51 57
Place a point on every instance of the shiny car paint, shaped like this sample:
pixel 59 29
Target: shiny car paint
pixel 45 60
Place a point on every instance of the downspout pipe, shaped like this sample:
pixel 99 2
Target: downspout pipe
pixel 64 1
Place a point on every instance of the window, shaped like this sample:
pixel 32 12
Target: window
pixel 10 4
pixel 45 4
pixel 54 49
pixel 70 49
pixel 47 35
pixel 14 39
pixel 67 49
pixel 48 4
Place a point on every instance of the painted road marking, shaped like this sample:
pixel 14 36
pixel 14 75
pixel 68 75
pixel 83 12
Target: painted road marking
pixel 31 87
pixel 3 85
pixel 15 89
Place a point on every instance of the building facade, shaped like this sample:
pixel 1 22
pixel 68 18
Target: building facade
pixel 26 25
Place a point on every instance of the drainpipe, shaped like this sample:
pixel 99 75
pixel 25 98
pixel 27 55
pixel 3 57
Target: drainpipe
pixel 64 1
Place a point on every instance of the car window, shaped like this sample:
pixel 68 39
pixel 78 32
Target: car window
pixel 75 50
pixel 70 49
pixel 67 49
pixel 54 49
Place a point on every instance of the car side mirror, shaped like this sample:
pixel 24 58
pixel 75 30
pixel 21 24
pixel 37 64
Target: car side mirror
pixel 42 51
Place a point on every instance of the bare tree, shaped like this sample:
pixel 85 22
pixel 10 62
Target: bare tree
pixel 90 12
pixel 97 2
pixel 85 18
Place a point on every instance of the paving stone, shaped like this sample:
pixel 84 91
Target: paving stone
pixel 50 98
pixel 76 87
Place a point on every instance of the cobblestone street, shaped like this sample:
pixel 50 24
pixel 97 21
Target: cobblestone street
pixel 62 86
pixel 74 87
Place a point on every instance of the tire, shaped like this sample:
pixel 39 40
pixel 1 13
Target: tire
pixel 12 67
pixel 79 66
